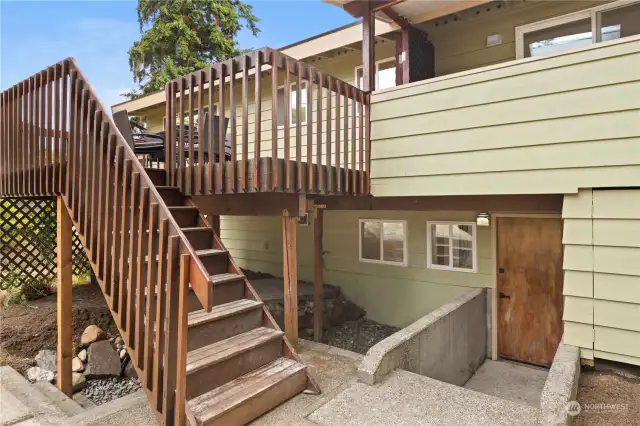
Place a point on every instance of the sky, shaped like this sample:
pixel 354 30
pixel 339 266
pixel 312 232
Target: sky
pixel 98 34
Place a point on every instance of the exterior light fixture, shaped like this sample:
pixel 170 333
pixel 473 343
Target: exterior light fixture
pixel 483 219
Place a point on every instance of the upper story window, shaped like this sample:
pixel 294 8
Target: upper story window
pixel 607 22
pixel 383 241
pixel 451 246
pixel 385 74
pixel 293 110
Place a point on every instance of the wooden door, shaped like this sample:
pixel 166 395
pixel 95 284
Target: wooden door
pixel 529 288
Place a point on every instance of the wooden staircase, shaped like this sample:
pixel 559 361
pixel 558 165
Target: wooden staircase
pixel 239 364
pixel 205 347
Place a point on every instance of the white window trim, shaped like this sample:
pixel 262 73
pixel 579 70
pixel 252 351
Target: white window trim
pixel 291 123
pixel 377 66
pixel 474 247
pixel 593 14
pixel 405 250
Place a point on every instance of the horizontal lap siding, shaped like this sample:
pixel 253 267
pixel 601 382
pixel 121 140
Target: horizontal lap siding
pixel 393 295
pixel 532 127
pixel 602 273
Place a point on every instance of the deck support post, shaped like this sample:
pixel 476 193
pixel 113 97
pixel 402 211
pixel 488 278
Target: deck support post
pixel 290 277
pixel 64 295
pixel 318 278
pixel 368 48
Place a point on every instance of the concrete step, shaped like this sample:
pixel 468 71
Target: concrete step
pixel 66 404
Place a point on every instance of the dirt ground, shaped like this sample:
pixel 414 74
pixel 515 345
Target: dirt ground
pixel 357 336
pixel 609 395
pixel 26 329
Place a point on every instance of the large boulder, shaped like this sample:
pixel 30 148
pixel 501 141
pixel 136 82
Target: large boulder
pixel 91 334
pixel 48 360
pixel 38 374
pixel 103 360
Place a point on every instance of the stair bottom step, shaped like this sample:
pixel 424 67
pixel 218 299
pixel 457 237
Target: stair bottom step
pixel 251 395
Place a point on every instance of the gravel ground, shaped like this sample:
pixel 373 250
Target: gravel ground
pixel 100 391
pixel 358 336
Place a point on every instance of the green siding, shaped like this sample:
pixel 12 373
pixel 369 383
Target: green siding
pixel 602 273
pixel 528 126
pixel 393 295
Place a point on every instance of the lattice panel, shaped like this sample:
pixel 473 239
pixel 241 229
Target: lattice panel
pixel 28 239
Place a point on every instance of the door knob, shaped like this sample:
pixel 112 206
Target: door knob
pixel 504 296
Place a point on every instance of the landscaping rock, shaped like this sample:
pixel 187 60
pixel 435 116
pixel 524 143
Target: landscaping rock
pixel 129 371
pixel 38 374
pixel 123 353
pixel 100 391
pixel 47 359
pixel 103 360
pixel 118 341
pixel 78 382
pixel 91 334
pixel 76 365
pixel 82 355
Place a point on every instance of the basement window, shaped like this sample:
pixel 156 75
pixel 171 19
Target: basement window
pixel 383 241
pixel 451 246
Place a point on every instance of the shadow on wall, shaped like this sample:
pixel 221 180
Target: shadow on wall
pixel 448 344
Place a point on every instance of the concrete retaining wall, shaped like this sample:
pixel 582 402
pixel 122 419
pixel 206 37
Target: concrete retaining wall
pixel 448 344
pixel 561 388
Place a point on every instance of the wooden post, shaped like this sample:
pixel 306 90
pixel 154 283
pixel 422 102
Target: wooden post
pixel 290 277
pixel 318 279
pixel 64 295
pixel 181 376
pixel 215 224
pixel 368 48
pixel 402 57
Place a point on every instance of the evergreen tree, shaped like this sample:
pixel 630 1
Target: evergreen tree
pixel 182 36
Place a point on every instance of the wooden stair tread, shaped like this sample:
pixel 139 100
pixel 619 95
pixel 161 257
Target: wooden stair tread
pixel 225 349
pixel 223 278
pixel 195 229
pixel 210 252
pixel 212 404
pixel 221 311
pixel 182 208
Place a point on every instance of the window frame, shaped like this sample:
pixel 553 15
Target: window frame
pixel 291 105
pixel 474 247
pixel 593 14
pixel 405 249
pixel 377 66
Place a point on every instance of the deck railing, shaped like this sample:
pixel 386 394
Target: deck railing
pixel 319 145
pixel 57 139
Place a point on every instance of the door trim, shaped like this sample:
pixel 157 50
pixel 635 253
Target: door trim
pixel 494 270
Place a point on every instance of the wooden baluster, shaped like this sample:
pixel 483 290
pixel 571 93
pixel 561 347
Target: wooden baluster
pixel 319 169
pixel 87 156
pixel 61 125
pixel 104 195
pixel 258 123
pixel 141 278
pixel 309 115
pixel 34 173
pixel 345 160
pixel 210 180
pixel 112 223
pixel 181 139
pixel 170 132
pixel 181 347
pixel 352 171
pixel 245 121
pixel 360 140
pixel 124 247
pixel 299 180
pixel 77 143
pixel 232 127
pixel 49 145
pixel 329 171
pixel 274 121
pixel 368 143
pixel 134 264
pixel 338 175
pixel 96 178
pixel 29 131
pixel 200 79
pixel 44 134
pixel 171 331
pixel 158 367
pixel 73 114
pixel 287 122
pixel 150 311
pixel 190 169
pixel 222 129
